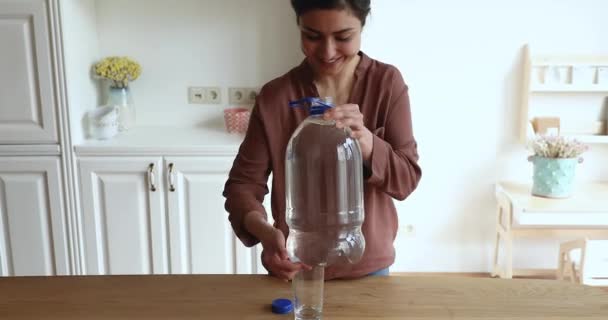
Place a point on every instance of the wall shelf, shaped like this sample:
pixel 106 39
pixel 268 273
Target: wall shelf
pixel 573 88
pixel 568 89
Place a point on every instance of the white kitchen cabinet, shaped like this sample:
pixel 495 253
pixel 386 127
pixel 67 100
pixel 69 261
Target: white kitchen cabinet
pixel 27 99
pixel 123 217
pixel 33 226
pixel 202 240
pixel 165 218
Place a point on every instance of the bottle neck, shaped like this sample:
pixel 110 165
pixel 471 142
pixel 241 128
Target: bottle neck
pixel 319 120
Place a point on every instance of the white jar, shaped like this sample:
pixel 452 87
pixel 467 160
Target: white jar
pixel 583 75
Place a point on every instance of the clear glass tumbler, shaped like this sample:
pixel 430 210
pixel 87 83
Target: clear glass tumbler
pixel 308 293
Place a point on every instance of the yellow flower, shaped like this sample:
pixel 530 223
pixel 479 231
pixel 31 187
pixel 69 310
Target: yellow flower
pixel 119 70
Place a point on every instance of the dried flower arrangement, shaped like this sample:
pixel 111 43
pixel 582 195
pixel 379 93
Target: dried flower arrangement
pixel 551 146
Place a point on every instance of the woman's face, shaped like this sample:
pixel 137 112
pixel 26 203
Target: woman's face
pixel 330 39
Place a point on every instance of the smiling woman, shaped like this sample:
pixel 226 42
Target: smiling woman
pixel 331 40
pixel 371 100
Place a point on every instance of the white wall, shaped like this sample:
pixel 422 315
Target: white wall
pixel 186 43
pixel 81 50
pixel 461 59
pixel 463 63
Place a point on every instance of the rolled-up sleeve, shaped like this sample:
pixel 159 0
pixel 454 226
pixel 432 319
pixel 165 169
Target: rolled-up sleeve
pixel 247 182
pixel 393 166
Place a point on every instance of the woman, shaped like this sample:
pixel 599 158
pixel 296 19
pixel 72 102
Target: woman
pixel 370 97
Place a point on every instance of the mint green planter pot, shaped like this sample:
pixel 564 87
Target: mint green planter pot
pixel 553 177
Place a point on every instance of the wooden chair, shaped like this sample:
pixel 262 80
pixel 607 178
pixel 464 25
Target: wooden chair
pixel 584 261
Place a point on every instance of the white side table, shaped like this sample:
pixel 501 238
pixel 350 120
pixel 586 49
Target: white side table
pixel 521 214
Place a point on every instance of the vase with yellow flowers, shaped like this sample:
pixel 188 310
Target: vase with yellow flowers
pixel 119 72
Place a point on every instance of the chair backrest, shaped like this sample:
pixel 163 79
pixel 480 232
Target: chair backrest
pixel 594 270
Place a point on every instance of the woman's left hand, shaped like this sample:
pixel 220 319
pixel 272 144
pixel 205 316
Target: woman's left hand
pixel 348 115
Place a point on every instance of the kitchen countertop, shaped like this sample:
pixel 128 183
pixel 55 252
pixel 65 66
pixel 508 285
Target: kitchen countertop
pixel 145 141
pixel 249 297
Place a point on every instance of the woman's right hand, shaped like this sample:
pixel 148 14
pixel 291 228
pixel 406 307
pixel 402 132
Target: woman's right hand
pixel 274 253
pixel 275 258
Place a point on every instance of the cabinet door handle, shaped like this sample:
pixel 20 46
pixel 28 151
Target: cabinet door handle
pixel 171 185
pixel 151 177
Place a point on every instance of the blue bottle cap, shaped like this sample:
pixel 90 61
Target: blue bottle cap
pixel 282 306
pixel 316 106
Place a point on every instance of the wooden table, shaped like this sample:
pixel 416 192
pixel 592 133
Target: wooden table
pixel 249 297
pixel 519 214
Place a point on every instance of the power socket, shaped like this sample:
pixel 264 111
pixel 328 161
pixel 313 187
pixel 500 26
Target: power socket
pixel 196 95
pixel 242 95
pixel 213 95
pixel 407 230
pixel 204 95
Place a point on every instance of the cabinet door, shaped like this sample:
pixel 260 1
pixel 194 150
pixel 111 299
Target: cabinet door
pixel 27 107
pixel 123 216
pixel 33 227
pixel 202 240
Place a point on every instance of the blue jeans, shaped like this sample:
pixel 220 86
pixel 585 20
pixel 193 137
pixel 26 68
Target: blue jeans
pixel 382 272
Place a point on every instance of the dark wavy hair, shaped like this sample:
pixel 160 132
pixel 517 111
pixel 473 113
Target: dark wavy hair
pixel 360 8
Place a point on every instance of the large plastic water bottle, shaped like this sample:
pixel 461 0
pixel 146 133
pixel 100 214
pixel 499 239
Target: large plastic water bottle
pixel 324 179
pixel 324 189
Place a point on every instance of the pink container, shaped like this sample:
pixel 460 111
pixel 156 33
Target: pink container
pixel 237 119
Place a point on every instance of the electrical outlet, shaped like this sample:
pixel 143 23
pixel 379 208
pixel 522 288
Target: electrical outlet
pixel 408 230
pixel 213 95
pixel 204 95
pixel 242 95
pixel 196 95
